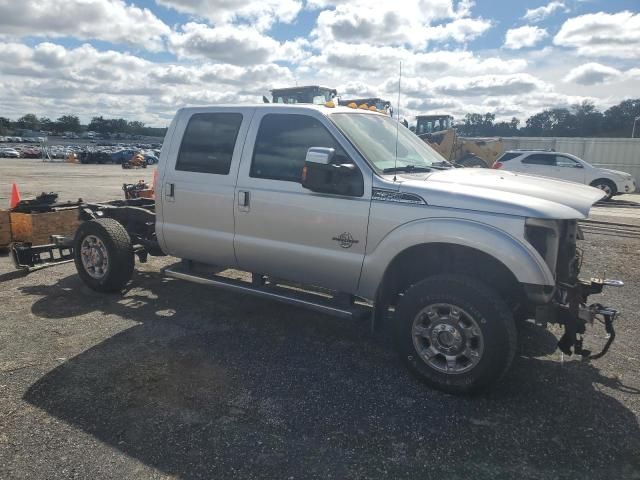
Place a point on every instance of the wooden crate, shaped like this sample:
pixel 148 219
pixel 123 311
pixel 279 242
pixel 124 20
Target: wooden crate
pixel 37 227
pixel 5 228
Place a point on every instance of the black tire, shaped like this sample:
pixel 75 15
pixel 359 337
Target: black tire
pixel 492 317
pixel 606 186
pixel 118 251
pixel 472 161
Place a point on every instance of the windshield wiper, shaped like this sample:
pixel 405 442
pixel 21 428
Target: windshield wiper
pixel 406 168
pixel 444 165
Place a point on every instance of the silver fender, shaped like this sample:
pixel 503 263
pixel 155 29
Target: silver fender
pixel 518 256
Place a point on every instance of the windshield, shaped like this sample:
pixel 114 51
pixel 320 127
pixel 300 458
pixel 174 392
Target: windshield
pixel 375 137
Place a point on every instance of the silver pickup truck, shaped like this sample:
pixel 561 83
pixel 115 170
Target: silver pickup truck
pixel 344 211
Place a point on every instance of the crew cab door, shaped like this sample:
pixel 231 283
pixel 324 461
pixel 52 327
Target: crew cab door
pixel 285 230
pixel 199 174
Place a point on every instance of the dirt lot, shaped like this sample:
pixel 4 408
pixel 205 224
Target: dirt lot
pixel 174 380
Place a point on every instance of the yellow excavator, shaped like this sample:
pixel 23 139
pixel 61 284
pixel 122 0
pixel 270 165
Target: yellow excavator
pixel 439 133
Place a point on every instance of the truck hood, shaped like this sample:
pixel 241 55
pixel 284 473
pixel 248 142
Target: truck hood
pixel 502 192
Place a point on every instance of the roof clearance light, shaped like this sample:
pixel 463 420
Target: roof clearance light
pixel 364 106
pixel 352 105
pixel 330 104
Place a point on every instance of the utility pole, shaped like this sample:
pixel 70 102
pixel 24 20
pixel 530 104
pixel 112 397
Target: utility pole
pixel 633 131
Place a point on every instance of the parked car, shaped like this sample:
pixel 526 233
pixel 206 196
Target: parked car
pixel 94 156
pixel 6 152
pixel 31 153
pixel 123 155
pixel 335 209
pixel 565 166
pixel 150 158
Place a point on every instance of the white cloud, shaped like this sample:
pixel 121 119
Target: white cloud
pixel 488 85
pixel 50 80
pixel 380 22
pixel 602 34
pixel 108 20
pixel 540 13
pixel 238 45
pixel 591 74
pixel 523 37
pixel 261 14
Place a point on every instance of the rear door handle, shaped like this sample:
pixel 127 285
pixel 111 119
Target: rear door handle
pixel 170 192
pixel 243 200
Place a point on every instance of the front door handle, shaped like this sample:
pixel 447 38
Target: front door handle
pixel 243 200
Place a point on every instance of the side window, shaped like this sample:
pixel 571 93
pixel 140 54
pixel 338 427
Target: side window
pixel 508 156
pixel 282 143
pixel 562 161
pixel 208 143
pixel 540 159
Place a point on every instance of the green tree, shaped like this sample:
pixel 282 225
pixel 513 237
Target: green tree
pixel 618 120
pixel 28 121
pixel 478 125
pixel 5 125
pixel 98 124
pixel 68 123
pixel 587 119
pixel 46 124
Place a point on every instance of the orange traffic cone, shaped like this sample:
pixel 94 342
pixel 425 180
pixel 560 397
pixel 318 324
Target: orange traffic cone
pixel 15 196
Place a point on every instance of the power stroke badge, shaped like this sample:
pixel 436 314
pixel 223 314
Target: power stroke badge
pixel 345 239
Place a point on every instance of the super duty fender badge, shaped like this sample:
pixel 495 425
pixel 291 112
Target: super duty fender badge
pixel 345 239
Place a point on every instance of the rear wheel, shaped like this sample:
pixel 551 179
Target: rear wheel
pixel 607 186
pixel 457 334
pixel 103 255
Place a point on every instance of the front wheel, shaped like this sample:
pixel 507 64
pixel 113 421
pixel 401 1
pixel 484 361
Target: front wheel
pixel 456 333
pixel 103 255
pixel 607 186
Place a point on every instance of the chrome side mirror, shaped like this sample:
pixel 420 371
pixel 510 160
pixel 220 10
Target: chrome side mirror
pixel 321 155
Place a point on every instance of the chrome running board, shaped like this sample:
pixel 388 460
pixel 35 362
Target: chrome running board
pixel 311 301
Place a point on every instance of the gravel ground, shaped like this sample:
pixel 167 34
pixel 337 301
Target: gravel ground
pixel 175 380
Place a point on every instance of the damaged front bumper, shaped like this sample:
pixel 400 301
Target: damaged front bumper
pixel 569 308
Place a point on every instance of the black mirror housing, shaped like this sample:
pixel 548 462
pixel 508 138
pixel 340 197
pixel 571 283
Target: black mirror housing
pixel 332 178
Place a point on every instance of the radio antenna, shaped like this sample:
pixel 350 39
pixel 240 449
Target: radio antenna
pixel 395 163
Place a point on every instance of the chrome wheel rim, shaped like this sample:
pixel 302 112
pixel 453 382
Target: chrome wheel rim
pixel 95 258
pixel 447 338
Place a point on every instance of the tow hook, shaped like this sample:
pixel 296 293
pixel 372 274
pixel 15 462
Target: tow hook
pixel 574 314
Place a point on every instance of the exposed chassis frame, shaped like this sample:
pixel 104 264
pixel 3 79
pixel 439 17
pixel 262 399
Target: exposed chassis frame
pixel 136 215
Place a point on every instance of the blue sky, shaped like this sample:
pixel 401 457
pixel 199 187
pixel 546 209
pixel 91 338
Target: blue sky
pixel 144 59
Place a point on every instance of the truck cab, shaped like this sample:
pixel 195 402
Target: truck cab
pixel 336 209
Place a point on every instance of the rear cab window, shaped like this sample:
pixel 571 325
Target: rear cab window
pixel 208 143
